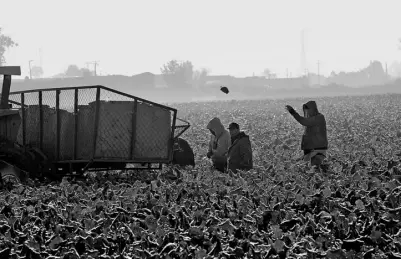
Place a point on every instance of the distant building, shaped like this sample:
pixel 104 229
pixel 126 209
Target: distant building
pixel 160 82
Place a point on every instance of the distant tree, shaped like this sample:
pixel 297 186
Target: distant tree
pixel 375 73
pixel 375 68
pixel 75 71
pixel 5 43
pixel 37 71
pixel 170 67
pixel 266 72
pixel 177 74
pixel 72 71
pixel 200 78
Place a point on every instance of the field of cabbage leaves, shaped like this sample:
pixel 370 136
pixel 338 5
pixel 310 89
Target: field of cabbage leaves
pixel 281 209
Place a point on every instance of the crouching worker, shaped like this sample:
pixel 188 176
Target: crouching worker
pixel 240 152
pixel 314 140
pixel 183 154
pixel 219 143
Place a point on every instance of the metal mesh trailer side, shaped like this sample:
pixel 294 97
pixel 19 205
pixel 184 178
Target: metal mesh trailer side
pixel 95 124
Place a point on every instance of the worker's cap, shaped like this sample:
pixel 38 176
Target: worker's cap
pixel 233 125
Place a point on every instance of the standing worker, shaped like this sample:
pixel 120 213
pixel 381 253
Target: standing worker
pixel 314 140
pixel 240 151
pixel 220 141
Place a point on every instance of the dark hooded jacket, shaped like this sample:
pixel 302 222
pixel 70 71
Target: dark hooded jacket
pixel 240 153
pixel 315 134
pixel 183 154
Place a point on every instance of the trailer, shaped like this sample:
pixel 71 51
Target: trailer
pixel 70 130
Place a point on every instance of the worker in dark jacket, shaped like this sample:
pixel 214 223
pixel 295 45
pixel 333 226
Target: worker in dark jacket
pixel 239 155
pixel 314 140
pixel 183 154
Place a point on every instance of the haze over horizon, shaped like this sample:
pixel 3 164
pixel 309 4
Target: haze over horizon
pixel 226 37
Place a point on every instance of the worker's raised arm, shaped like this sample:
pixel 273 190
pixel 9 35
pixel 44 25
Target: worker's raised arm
pixel 311 121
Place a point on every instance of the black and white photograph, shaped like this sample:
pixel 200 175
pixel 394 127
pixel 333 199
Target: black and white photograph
pixel 191 129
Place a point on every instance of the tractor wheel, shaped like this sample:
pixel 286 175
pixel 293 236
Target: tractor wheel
pixel 43 167
pixel 23 160
pixel 15 158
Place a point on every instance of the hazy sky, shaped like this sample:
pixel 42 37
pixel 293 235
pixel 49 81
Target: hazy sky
pixel 226 36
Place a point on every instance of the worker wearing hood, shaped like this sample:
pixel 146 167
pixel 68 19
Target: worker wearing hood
pixel 314 140
pixel 240 152
pixel 220 141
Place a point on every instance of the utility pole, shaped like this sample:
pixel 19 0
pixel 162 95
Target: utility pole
pixel 287 72
pixel 30 69
pixel 318 72
pixel 94 63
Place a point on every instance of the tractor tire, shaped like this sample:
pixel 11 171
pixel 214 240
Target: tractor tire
pixel 28 163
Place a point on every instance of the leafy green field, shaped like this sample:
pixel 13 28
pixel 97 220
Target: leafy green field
pixel 281 209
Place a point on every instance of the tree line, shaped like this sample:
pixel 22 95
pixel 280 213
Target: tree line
pixel 181 74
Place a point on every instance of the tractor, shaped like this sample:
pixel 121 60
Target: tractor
pixel 70 130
